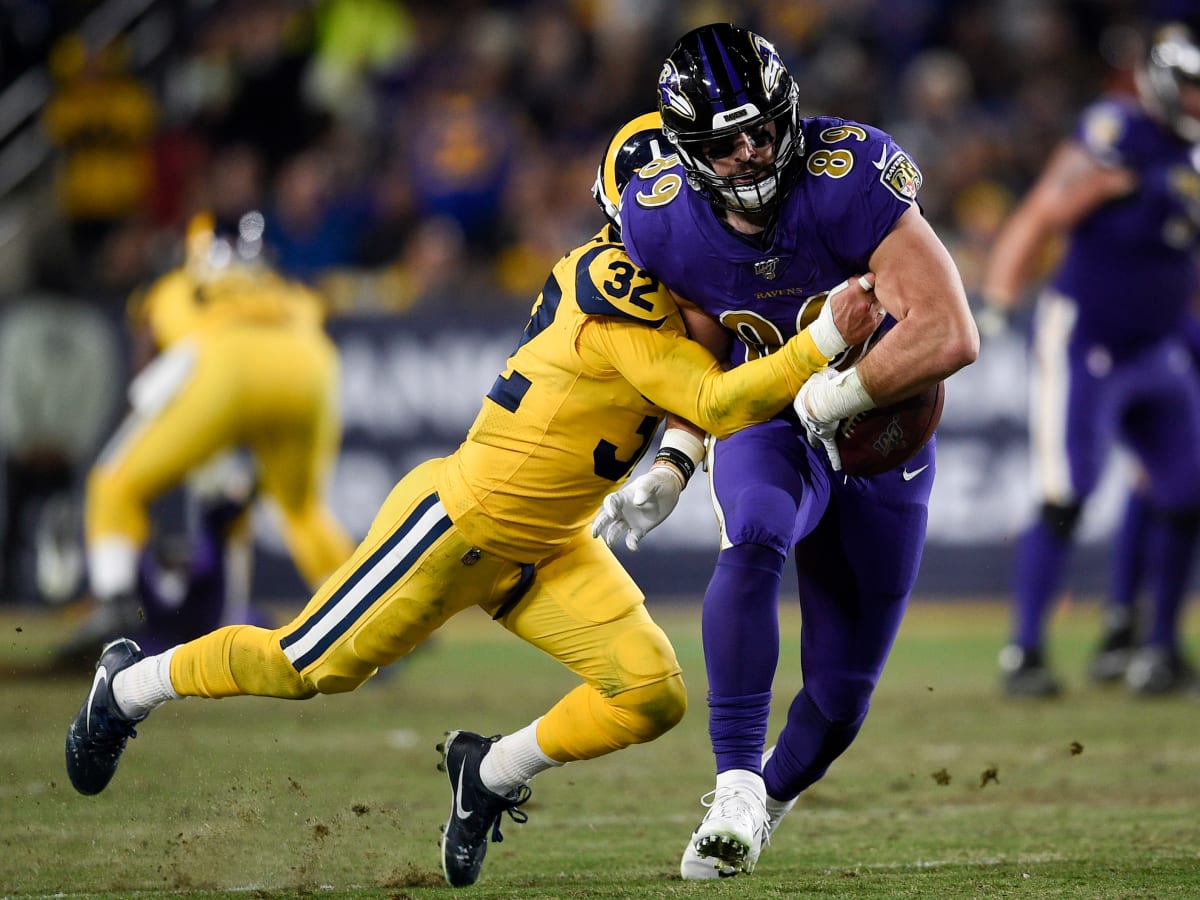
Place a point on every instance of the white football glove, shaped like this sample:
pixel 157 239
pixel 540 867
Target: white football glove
pixel 638 507
pixel 819 433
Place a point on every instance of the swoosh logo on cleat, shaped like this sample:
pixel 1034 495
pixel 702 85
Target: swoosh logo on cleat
pixel 459 810
pixel 101 678
pixel 909 476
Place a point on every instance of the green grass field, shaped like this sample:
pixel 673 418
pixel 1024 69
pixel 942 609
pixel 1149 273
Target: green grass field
pixel 950 790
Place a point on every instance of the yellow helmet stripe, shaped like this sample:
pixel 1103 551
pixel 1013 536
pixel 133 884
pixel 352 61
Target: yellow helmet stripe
pixel 644 122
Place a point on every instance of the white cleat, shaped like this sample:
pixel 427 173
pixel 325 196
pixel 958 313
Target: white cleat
pixel 729 838
pixel 695 866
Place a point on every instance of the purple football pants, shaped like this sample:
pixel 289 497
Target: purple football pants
pixel 1149 403
pixel 858 544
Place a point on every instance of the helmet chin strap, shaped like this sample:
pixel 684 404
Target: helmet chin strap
pixel 750 198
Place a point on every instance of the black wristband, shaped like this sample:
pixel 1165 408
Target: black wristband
pixel 679 460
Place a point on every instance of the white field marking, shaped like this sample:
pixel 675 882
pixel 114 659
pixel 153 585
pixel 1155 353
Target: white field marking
pixel 982 862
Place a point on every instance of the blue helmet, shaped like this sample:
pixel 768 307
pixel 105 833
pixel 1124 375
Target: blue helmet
pixel 719 81
pixel 635 143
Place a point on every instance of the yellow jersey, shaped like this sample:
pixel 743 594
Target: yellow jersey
pixel 604 356
pixel 176 305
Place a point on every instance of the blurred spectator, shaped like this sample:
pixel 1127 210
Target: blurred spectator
pixel 266 47
pixel 544 213
pixel 483 109
pixel 314 225
pixel 233 181
pixel 356 41
pixel 939 125
pixel 26 31
pixel 101 119
pixel 460 160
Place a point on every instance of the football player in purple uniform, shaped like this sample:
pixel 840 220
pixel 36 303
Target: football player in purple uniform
pixel 766 213
pixel 1110 362
pixel 1125 615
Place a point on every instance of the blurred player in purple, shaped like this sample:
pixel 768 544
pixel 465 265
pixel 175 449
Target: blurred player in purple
pixel 1126 616
pixel 1110 360
pixel 763 215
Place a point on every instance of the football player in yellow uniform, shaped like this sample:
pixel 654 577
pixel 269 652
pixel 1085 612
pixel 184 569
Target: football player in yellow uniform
pixel 503 523
pixel 240 360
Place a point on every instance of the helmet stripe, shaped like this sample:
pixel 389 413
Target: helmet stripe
pixel 650 121
pixel 721 74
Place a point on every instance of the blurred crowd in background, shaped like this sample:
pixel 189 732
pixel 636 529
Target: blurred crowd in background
pixel 437 155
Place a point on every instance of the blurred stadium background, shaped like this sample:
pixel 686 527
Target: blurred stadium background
pixel 424 163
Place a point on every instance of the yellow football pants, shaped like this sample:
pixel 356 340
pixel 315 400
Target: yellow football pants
pixel 412 572
pixel 272 390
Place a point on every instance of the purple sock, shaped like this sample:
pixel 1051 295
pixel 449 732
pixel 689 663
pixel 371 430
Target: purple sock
pixel 1129 555
pixel 806 748
pixel 1042 558
pixel 1175 548
pixel 741 651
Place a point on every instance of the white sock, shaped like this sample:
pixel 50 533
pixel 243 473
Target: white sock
pixel 776 809
pixel 744 780
pixel 112 564
pixel 513 760
pixel 144 686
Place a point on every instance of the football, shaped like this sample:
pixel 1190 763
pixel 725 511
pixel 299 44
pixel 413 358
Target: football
pixel 881 439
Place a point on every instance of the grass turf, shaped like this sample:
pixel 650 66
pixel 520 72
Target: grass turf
pixel 950 789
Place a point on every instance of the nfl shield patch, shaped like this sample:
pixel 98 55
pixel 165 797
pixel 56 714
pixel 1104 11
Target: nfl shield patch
pixel 766 267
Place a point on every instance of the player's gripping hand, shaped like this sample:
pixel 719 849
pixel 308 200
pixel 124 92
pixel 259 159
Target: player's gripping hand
pixel 850 313
pixel 638 507
pixel 820 433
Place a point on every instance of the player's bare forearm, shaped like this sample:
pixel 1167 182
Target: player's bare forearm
pixel 917 282
pixel 674 421
pixel 1070 188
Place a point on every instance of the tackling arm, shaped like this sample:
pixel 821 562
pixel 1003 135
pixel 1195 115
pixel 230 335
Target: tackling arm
pixel 680 375
pixel 723 400
pixel 643 504
pixel 707 331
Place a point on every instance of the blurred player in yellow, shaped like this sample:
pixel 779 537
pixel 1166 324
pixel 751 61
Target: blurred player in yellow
pixel 504 523
pixel 239 360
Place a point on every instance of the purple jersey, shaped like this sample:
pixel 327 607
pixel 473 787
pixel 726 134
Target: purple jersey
pixel 857 541
pixel 855 185
pixel 1111 358
pixel 1129 266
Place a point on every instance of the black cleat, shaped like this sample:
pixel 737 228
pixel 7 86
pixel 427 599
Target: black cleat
pixel 96 739
pixel 1025 674
pixel 1154 671
pixel 475 810
pixel 1112 657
